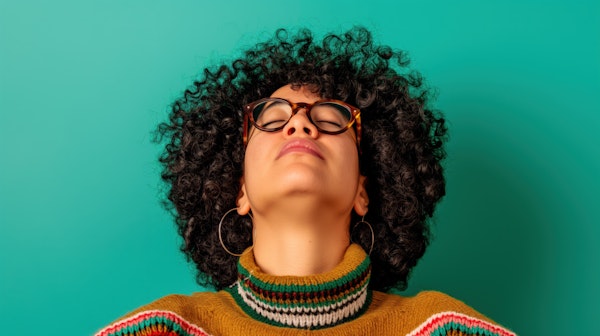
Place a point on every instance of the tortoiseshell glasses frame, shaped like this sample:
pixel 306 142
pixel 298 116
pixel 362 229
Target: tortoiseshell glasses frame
pixel 331 116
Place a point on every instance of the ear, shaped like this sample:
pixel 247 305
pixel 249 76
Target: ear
pixel 243 203
pixel 361 201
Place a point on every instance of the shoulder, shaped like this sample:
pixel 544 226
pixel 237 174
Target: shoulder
pixel 433 313
pixel 179 314
pixel 429 301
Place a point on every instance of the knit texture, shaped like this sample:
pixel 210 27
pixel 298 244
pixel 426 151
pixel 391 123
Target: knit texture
pixel 336 303
pixel 154 323
pixel 310 302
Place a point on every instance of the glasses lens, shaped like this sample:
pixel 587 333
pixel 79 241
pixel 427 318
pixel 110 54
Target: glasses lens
pixel 272 114
pixel 331 116
pixel 328 116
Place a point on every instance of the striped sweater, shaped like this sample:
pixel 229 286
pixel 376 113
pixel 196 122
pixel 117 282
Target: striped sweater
pixel 333 303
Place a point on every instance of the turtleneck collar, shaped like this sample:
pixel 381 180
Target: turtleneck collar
pixel 307 302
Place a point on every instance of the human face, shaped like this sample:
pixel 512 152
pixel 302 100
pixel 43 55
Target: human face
pixel 299 163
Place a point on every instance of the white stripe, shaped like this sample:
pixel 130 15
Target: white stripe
pixel 304 317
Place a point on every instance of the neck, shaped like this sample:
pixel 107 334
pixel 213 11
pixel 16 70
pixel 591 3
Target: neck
pixel 310 244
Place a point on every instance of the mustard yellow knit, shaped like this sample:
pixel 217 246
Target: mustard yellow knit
pixel 207 313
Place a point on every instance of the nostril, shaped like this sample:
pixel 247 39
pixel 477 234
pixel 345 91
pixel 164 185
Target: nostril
pixel 291 131
pixel 307 130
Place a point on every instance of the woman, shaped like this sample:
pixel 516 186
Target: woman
pixel 321 162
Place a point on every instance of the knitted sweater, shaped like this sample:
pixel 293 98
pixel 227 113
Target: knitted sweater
pixel 333 303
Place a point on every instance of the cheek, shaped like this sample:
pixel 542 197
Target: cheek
pixel 350 167
pixel 249 161
pixel 346 161
pixel 253 159
pixel 349 151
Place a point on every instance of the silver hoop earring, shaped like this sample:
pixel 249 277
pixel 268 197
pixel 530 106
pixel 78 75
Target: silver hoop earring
pixel 221 238
pixel 372 233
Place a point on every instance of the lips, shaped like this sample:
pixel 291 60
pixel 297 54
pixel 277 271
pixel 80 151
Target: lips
pixel 300 146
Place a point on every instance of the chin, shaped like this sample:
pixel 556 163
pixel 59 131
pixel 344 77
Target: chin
pixel 302 177
pixel 301 186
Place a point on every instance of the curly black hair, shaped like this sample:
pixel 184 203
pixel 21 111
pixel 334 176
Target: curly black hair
pixel 401 147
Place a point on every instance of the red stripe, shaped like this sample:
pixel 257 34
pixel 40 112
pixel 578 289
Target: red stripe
pixel 438 320
pixel 190 328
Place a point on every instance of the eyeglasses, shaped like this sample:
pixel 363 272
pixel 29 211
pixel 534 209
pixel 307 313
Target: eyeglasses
pixel 330 116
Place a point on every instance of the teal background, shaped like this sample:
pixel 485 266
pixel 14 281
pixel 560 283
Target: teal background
pixel 83 238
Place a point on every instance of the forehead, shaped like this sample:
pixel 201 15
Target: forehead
pixel 301 94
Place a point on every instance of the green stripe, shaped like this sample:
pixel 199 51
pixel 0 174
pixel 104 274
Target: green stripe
pixel 321 302
pixel 455 326
pixel 147 323
pixel 253 314
pixel 307 288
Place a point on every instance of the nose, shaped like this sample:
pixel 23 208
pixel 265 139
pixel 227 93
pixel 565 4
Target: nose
pixel 300 125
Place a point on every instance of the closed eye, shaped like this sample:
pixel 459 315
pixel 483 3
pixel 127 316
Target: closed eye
pixel 329 122
pixel 274 123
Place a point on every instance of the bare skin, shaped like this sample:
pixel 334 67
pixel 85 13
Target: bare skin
pixel 301 186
